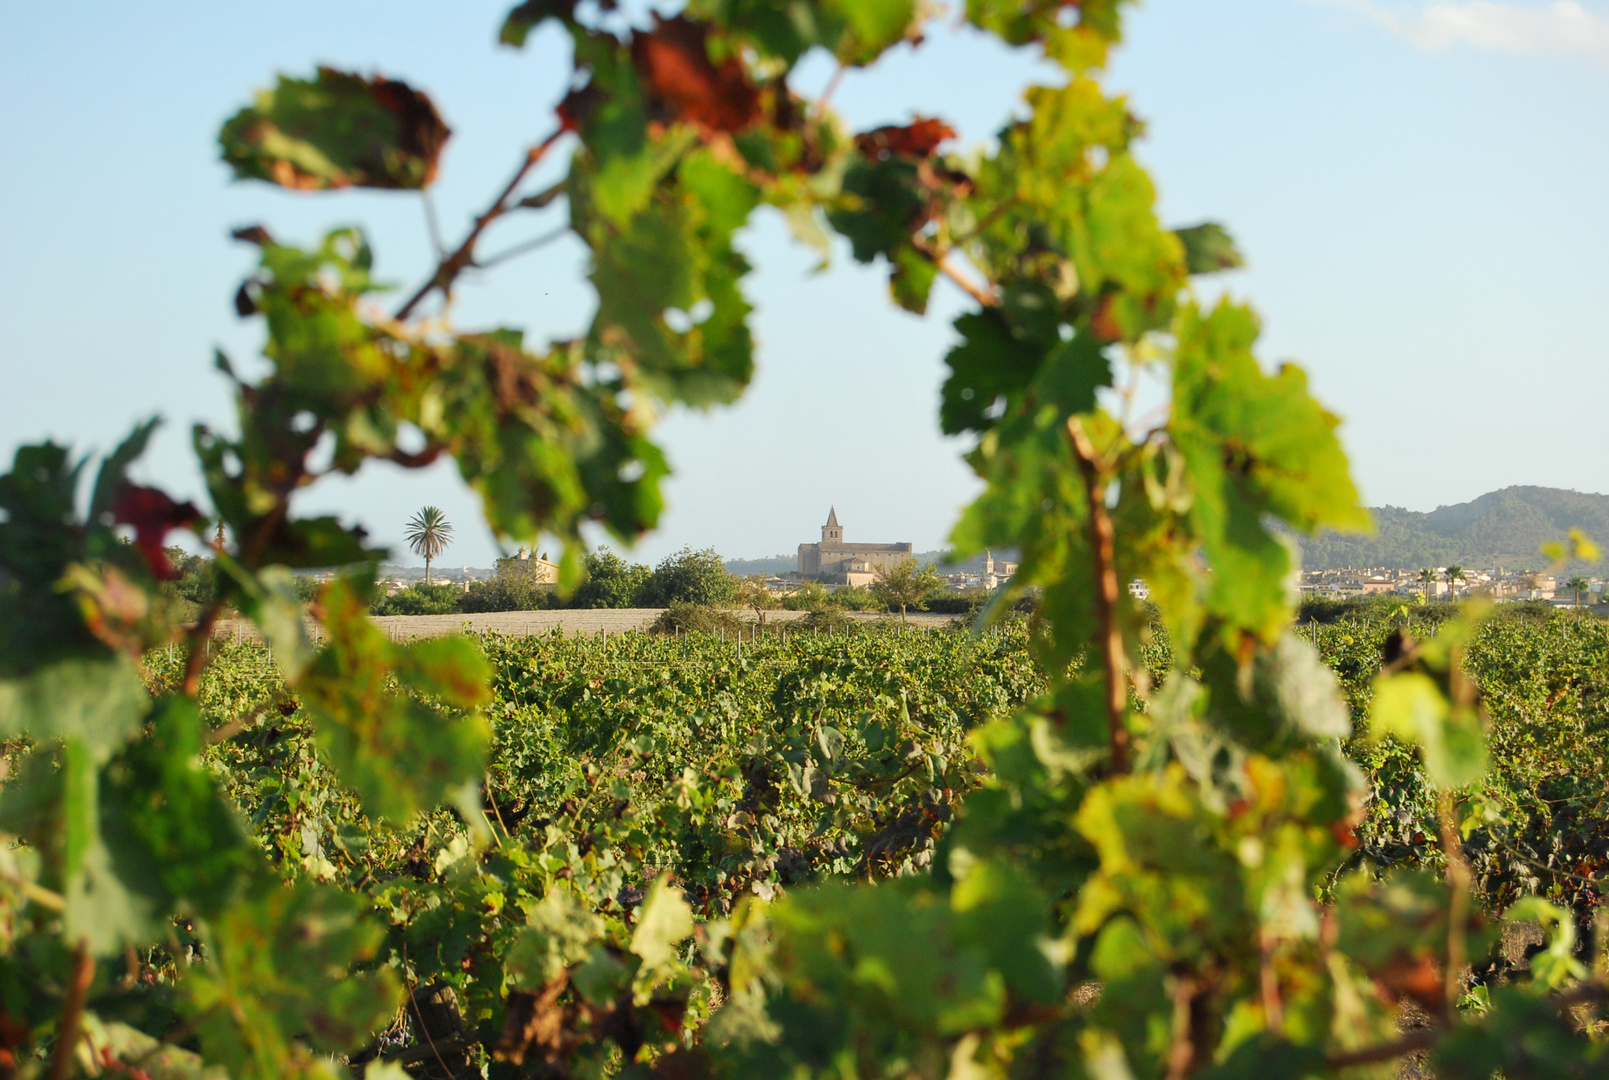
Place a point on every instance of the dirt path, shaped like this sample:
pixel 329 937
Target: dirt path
pixel 580 622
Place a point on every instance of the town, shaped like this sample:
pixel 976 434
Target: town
pixel 1452 583
pixel 834 563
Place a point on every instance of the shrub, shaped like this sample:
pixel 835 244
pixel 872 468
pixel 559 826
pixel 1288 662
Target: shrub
pixel 688 577
pixel 682 617
pixel 514 586
pixel 826 620
pixel 611 582
pixel 856 598
pixel 504 592
pixel 810 596
pixel 968 603
pixel 418 599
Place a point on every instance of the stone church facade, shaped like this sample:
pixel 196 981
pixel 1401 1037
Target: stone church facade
pixel 848 564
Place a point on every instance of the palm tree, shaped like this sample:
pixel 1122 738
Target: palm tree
pixel 1454 574
pixel 1425 579
pixel 1578 585
pixel 428 535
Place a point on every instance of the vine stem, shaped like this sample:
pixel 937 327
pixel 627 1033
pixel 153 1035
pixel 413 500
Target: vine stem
pixel 1458 878
pixel 1103 552
pixel 196 662
pixel 978 292
pixel 448 269
pixel 1417 1040
pixel 72 1014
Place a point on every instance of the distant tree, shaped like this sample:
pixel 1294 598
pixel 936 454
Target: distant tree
pixel 691 577
pixel 1578 585
pixel 1427 578
pixel 907 584
pixel 428 535
pixel 752 594
pixel 1454 574
pixel 611 582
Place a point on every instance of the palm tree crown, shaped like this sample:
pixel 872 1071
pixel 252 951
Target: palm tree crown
pixel 1426 577
pixel 1578 585
pixel 428 535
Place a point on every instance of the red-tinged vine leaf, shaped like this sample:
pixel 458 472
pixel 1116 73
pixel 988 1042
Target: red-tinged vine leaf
pixel 578 106
pixel 113 473
pixel 336 130
pixel 116 610
pixel 1393 928
pixel 252 234
pixel 70 589
pixel 153 514
pixel 684 84
pixel 918 139
pixel 1104 323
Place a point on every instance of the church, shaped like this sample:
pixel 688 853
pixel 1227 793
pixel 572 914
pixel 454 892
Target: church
pixel 836 562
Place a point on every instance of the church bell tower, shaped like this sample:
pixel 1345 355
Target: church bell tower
pixel 832 533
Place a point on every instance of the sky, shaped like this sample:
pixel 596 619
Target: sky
pixel 1418 188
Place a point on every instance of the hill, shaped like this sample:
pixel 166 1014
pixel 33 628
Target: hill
pixel 776 564
pixel 1500 529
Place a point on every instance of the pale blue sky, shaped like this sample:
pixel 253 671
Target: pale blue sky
pixel 1419 187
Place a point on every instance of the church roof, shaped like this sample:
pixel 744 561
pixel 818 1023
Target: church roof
pixel 832 518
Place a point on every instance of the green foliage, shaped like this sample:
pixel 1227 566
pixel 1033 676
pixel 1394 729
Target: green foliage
pixel 611 582
pixel 510 589
pixel 906 585
pixel 688 577
pixel 1111 841
pixel 196 583
pixel 423 599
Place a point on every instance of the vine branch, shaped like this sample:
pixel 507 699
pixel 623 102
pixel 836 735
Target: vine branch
pixel 448 269
pixel 1408 1044
pixel 72 1013
pixel 982 295
pixel 1458 880
pixel 1103 555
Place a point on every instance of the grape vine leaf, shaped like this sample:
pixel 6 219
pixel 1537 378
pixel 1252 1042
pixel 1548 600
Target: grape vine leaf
pixel 1257 445
pixel 280 970
pixel 401 753
pixel 336 130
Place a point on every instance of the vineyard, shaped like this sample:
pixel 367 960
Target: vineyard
pixel 744 771
pixel 1096 837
